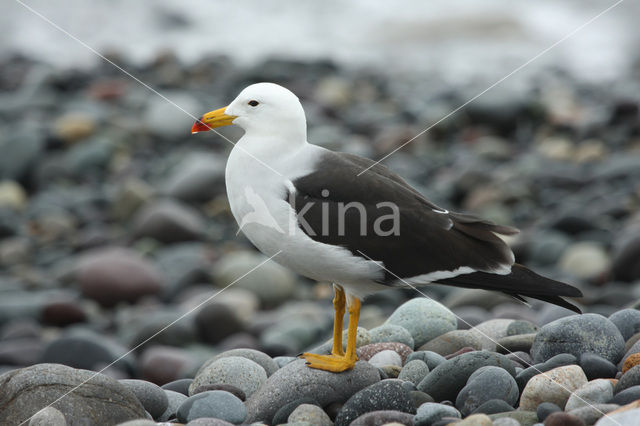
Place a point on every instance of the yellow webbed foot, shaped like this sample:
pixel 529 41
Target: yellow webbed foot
pixel 333 363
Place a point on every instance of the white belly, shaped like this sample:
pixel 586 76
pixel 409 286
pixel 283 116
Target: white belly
pixel 259 203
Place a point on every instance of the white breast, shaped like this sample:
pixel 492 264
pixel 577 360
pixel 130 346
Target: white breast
pixel 258 196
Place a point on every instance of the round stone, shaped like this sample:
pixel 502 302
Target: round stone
pixel 152 396
pixel 629 379
pixel 237 392
pixel 169 221
pixel 493 406
pixel 452 341
pixel 260 358
pixel 218 404
pixel 585 260
pixel 391 333
pixel 552 386
pixel 590 414
pixel 102 400
pixel 627 396
pixel 447 379
pixel 414 371
pixel 383 417
pixel 484 384
pixel 430 412
pixel 563 419
pixel 630 362
pixel 598 391
pixel 296 380
pixel 180 385
pixel 596 367
pixel 544 409
pixel 627 321
pixel 234 370
pixel 432 359
pixel 425 319
pixel 489 332
pixel 476 420
pixel 385 358
pixel 579 334
pixel 174 401
pixel 283 413
pixel 384 395
pixel 366 352
pixel 48 416
pixel 311 414
pixel 114 275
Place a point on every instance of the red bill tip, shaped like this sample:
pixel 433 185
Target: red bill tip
pixel 199 126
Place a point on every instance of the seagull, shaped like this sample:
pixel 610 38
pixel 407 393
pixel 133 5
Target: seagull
pixel 340 218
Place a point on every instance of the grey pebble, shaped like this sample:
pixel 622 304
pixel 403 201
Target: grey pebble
pixel 236 371
pixel 175 400
pixel 627 321
pixel 153 397
pixel 310 413
pixel 447 379
pixel 484 384
pixel 430 412
pixel 384 395
pixel 295 380
pixel 260 358
pixel 218 404
pixel 425 319
pixel 48 416
pixel 414 371
pixel 432 359
pixel 578 334
pixel 391 333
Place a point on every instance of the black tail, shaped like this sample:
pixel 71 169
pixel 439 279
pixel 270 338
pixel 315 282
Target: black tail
pixel 520 282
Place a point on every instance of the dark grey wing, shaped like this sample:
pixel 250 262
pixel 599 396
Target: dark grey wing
pixel 380 215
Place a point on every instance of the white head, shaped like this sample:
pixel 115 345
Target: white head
pixel 262 109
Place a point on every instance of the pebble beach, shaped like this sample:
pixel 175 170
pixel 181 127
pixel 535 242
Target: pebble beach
pixel 125 297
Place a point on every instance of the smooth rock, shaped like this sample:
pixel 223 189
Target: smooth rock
pixel 544 409
pixel 620 417
pixel 493 406
pixel 625 265
pixel 260 358
pixel 452 341
pixel 180 386
pixel 233 390
pixel 627 321
pixel 218 404
pixel 283 413
pixel 425 319
pixel 590 414
pixel 626 396
pixel 476 420
pixel 114 275
pixel 48 416
pixel 152 397
pixel 521 327
pixel 168 221
pixel 596 367
pixel 414 371
pixel 484 384
pixel 208 421
pixel 391 333
pixel 598 391
pixel 385 358
pixel 489 332
pixel 628 379
pixel 384 417
pixel 578 334
pixel 311 414
pixel 98 399
pixel 517 343
pixel 563 419
pixel 272 283
pixel 525 418
pixel 630 362
pixel 585 260
pixel 295 380
pixel 505 421
pixel 233 370
pixel 161 364
pixel 557 361
pixel 432 359
pixel 446 380
pixel 384 395
pixel 552 386
pixel 226 319
pixel 198 178
pixel 430 412
pixel 367 352
pixel 174 401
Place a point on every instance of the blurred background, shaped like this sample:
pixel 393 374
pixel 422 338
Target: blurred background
pixel 114 220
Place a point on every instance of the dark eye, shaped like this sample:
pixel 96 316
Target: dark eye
pixel 253 103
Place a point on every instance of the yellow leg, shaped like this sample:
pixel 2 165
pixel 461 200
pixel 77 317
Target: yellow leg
pixel 339 300
pixel 339 362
